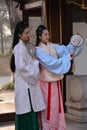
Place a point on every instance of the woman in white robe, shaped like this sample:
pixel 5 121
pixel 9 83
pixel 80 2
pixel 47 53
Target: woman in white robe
pixel 28 96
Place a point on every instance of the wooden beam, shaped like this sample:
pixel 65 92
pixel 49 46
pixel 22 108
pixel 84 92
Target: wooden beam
pixel 33 5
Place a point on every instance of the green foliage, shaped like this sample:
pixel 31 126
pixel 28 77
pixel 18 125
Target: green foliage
pixel 7 55
pixel 8 86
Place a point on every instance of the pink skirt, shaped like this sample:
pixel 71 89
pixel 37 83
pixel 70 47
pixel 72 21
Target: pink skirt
pixel 52 117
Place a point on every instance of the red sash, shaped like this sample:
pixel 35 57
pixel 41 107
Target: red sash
pixel 49 99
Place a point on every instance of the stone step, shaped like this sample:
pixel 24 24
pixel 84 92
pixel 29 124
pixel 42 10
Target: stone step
pixel 7 111
pixel 7 107
pixel 7 126
pixel 7 117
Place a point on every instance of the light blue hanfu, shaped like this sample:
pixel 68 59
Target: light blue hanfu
pixel 62 64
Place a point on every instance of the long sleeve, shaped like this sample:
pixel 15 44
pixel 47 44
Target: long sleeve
pixel 62 49
pixel 57 66
pixel 28 70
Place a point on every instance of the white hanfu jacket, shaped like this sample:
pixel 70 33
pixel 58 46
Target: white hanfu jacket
pixel 26 76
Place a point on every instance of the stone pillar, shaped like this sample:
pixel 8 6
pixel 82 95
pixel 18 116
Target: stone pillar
pixel 76 98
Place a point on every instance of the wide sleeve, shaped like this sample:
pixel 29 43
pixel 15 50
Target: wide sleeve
pixel 62 49
pixel 28 71
pixel 57 66
pixel 77 50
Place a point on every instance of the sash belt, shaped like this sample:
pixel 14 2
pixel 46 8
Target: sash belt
pixel 49 99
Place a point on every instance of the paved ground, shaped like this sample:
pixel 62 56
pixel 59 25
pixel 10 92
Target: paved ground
pixel 4 66
pixel 5 73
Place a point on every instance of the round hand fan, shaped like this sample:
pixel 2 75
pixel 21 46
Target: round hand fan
pixel 77 40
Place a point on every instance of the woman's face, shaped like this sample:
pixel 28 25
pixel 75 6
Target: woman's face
pixel 45 36
pixel 25 35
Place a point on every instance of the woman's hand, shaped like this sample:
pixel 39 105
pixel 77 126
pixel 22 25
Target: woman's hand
pixel 72 54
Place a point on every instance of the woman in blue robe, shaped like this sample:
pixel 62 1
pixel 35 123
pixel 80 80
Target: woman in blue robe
pixel 55 61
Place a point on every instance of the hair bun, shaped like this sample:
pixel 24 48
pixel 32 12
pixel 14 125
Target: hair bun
pixel 40 29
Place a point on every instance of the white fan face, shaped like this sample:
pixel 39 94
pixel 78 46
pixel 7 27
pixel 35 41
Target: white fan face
pixel 77 40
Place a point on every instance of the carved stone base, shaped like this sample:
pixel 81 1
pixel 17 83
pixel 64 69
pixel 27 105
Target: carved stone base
pixel 82 119
pixel 74 125
pixel 76 98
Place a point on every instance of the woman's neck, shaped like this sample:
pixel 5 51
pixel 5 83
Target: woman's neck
pixel 44 43
pixel 26 42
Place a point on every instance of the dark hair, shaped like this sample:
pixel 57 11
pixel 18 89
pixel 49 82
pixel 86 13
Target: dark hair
pixel 18 30
pixel 39 32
